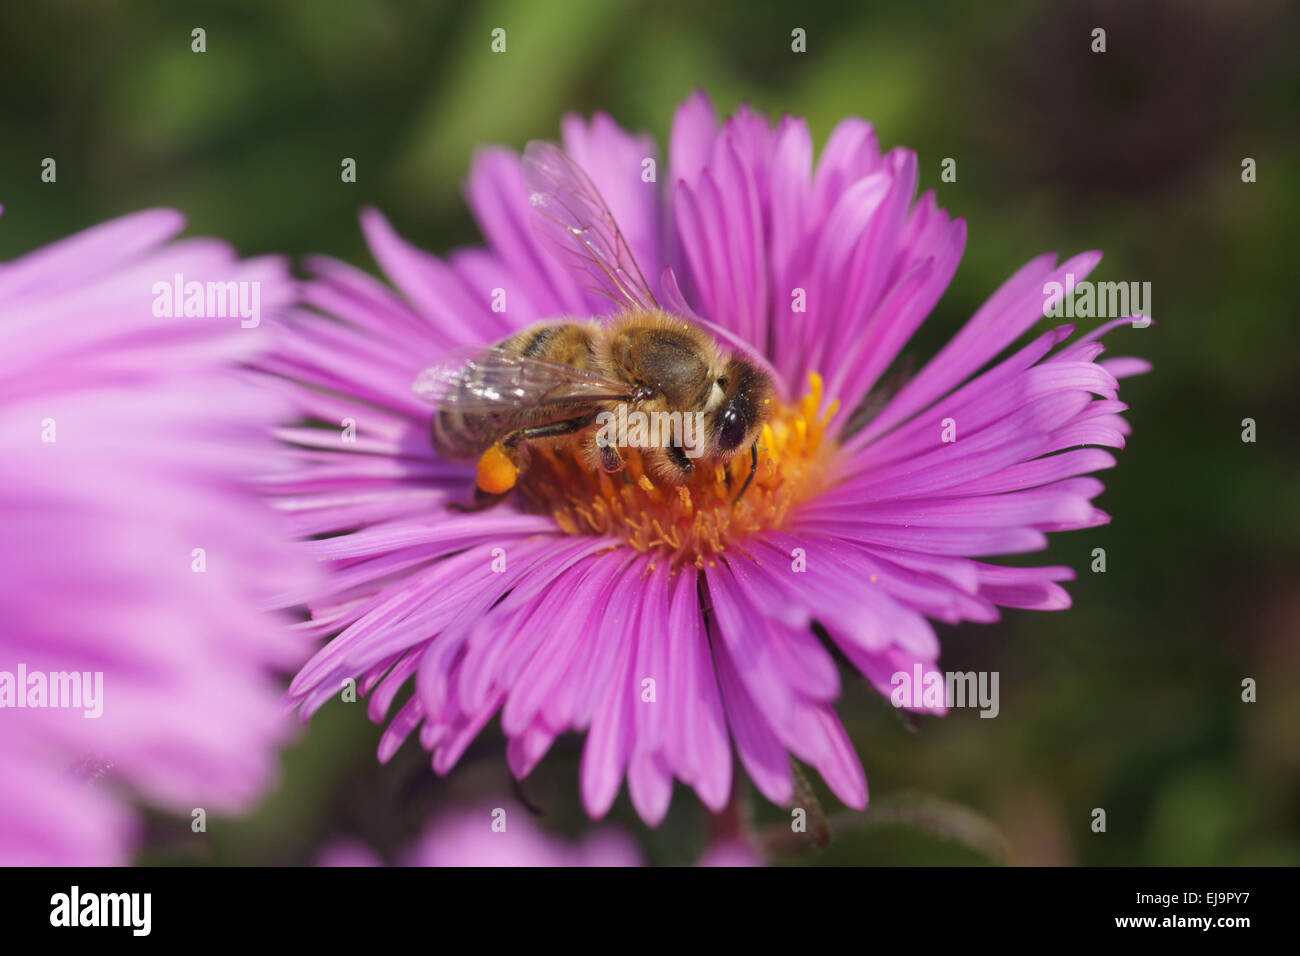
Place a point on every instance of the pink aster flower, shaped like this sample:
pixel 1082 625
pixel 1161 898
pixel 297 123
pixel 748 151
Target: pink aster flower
pixel 135 662
pixel 670 625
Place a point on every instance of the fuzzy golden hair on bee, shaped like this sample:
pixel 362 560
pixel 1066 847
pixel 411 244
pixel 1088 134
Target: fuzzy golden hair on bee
pixel 557 384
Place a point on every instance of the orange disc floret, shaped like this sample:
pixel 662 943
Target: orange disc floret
pixel 701 518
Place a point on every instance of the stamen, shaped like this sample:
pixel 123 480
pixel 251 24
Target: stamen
pixel 697 520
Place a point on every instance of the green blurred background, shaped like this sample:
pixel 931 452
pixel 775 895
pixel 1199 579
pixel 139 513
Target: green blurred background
pixel 1132 700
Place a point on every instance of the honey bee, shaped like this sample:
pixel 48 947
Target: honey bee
pixel 549 384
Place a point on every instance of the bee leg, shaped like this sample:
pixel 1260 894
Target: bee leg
pixel 753 470
pixel 483 500
pixel 568 426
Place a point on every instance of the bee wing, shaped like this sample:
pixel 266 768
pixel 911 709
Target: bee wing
pixel 573 219
pixel 494 380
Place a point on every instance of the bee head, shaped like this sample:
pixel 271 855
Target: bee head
pixel 743 409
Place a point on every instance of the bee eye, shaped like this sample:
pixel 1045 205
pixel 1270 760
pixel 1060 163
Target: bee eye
pixel 733 429
pixel 722 383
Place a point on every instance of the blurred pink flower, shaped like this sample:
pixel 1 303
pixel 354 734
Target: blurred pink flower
pixel 731 853
pixel 476 838
pixel 506 835
pixel 555 607
pixel 129 441
pixel 494 835
pixel 348 853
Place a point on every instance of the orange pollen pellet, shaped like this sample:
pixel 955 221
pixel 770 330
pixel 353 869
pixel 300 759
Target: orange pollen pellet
pixel 496 472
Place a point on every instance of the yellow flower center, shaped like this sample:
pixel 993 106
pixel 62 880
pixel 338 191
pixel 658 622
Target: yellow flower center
pixel 696 520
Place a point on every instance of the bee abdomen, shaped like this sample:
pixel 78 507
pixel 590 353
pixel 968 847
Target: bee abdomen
pixel 461 435
pixel 534 342
pixel 457 436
